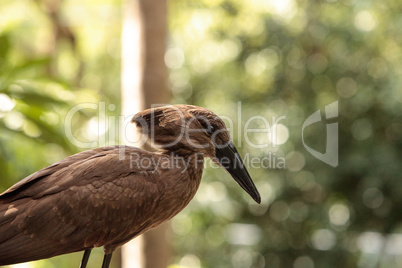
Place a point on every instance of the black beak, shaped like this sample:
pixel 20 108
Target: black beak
pixel 230 159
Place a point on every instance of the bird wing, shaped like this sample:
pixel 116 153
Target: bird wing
pixel 37 176
pixel 83 201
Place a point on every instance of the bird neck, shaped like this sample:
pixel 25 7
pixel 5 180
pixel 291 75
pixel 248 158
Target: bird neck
pixel 189 161
pixel 180 151
pixel 195 165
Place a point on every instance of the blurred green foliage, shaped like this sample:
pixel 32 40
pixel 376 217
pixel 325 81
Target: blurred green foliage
pixel 269 58
pixel 292 58
pixel 48 66
pixel 45 70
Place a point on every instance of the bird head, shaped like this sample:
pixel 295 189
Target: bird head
pixel 188 129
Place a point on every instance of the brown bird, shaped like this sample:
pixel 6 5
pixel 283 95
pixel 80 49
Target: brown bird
pixel 109 195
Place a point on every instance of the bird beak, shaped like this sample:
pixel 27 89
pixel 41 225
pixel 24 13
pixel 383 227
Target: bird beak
pixel 229 158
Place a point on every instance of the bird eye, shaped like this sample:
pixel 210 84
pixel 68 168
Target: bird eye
pixel 210 130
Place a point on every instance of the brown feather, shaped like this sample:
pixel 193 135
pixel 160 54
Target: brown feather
pixel 109 195
pixel 73 205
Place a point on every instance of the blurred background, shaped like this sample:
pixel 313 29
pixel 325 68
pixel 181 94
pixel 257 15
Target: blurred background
pixel 269 58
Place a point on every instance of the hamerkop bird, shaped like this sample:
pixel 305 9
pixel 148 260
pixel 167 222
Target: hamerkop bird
pixel 109 195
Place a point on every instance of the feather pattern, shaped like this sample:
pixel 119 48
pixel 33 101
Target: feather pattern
pixel 107 196
pixel 74 199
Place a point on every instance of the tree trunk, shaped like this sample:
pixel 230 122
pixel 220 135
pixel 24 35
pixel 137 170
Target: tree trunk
pixel 144 83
